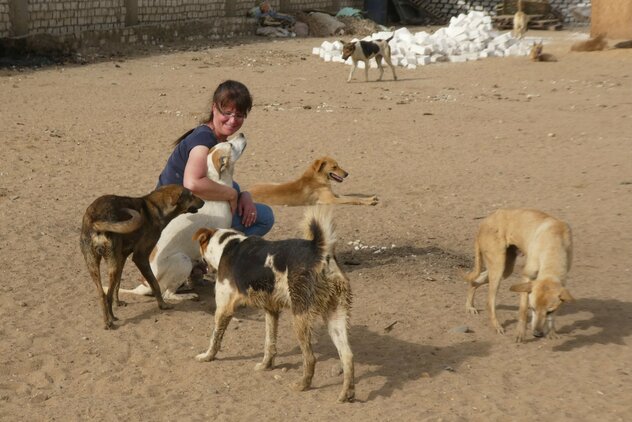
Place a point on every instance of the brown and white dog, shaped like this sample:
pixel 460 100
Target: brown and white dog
pixel 312 188
pixel 364 51
pixel 116 226
pixel 176 252
pixel 300 274
pixel 547 244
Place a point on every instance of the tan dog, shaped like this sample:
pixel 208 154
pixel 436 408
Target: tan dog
pixel 520 22
pixel 364 51
pixel 594 44
pixel 312 188
pixel 537 55
pixel 547 244
pixel 116 226
pixel 300 274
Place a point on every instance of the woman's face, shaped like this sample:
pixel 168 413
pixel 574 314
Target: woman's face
pixel 226 121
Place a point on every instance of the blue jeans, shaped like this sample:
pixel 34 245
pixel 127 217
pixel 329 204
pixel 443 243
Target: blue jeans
pixel 261 226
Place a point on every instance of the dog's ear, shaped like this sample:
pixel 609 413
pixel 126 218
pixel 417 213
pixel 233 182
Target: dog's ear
pixel 565 296
pixel 318 165
pixel 522 287
pixel 224 162
pixel 203 236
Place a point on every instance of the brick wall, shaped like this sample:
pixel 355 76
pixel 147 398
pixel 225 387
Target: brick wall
pixel 80 18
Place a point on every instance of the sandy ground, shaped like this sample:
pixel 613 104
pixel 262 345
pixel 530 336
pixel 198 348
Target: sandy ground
pixel 442 147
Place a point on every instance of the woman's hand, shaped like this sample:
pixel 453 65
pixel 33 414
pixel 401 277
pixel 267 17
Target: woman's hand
pixel 246 209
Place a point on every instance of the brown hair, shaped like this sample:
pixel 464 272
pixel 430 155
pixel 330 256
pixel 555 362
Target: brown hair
pixel 228 93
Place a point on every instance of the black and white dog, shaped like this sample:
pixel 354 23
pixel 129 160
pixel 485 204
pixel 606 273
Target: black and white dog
pixel 363 51
pixel 300 274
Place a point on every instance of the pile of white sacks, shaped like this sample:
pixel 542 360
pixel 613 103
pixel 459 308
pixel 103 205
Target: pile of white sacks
pixel 468 37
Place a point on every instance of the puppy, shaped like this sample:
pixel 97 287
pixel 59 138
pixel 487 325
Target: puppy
pixel 312 188
pixel 547 244
pixel 116 226
pixel 520 22
pixel 537 55
pixel 594 44
pixel 364 51
pixel 176 252
pixel 302 275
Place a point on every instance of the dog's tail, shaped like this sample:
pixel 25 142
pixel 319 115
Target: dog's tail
pixel 320 229
pixel 473 275
pixel 126 226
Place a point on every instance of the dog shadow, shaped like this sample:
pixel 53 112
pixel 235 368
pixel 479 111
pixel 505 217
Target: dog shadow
pixel 364 259
pixel 611 317
pixel 610 322
pixel 391 362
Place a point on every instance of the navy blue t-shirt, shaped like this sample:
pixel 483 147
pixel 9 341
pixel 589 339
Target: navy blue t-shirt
pixel 173 173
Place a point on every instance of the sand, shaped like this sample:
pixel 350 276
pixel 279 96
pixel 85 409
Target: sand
pixel 442 147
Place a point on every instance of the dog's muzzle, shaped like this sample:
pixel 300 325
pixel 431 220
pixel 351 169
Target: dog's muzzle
pixel 335 177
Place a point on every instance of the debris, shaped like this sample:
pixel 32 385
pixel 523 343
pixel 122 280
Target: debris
pixel 390 326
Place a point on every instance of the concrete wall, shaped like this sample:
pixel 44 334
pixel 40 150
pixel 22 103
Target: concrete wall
pixel 613 17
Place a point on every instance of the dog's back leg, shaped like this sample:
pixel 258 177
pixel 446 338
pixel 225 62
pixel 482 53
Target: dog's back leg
pixel 303 330
pixel 495 261
pixel 93 262
pixel 115 270
pixel 270 350
pixel 388 61
pixel 337 323
pixel 378 59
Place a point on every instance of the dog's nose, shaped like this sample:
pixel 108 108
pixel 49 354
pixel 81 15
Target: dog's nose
pixel 538 333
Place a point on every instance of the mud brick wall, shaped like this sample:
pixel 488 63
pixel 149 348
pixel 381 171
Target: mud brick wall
pixel 4 17
pixel 127 20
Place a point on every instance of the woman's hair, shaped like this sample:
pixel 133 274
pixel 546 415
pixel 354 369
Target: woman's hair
pixel 228 93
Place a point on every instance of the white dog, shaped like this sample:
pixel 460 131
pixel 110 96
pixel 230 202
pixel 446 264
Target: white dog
pixel 176 252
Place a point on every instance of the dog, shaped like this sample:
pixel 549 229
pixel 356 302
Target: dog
pixel 520 22
pixel 547 244
pixel 536 53
pixel 300 274
pixel 176 252
pixel 597 43
pixel 364 51
pixel 312 188
pixel 116 226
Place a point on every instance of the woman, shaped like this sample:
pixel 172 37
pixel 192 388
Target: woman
pixel 187 164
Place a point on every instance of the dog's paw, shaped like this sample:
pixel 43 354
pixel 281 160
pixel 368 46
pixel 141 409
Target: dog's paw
pixel 520 337
pixel 300 385
pixel 500 330
pixel 471 310
pixel 204 357
pixel 373 200
pixel 165 305
pixel 552 335
pixel 263 366
pixel 347 396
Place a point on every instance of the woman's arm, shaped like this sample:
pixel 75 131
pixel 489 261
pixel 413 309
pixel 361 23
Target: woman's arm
pixel 196 180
